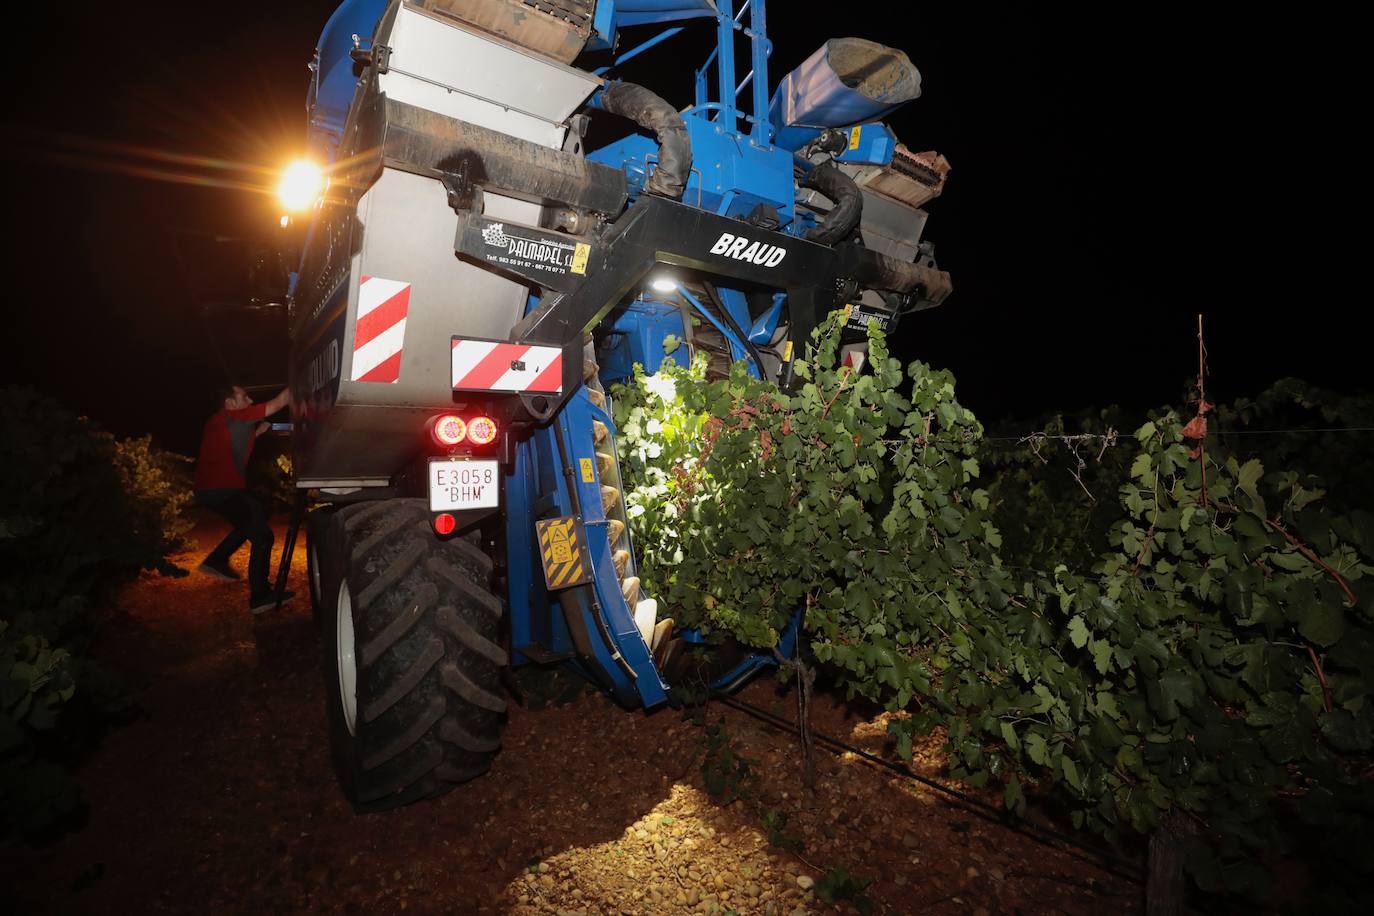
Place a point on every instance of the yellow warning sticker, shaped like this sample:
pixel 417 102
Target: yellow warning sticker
pixel 853 139
pixel 787 352
pixel 560 548
pixel 848 307
pixel 587 475
pixel 580 255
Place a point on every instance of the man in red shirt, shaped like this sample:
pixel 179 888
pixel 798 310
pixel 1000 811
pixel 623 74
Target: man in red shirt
pixel 220 485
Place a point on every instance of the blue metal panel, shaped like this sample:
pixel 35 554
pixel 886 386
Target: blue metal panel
pixel 534 620
pixel 637 337
pixel 648 12
pixel 725 162
pixel 730 175
pixel 736 304
pixel 628 644
pixel 766 325
pixel 520 593
pixel 869 144
pixel 603 26
pixel 332 86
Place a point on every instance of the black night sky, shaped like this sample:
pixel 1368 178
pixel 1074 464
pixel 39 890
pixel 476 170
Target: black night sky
pixel 1113 175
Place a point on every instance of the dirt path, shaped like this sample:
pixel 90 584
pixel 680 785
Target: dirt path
pixel 220 798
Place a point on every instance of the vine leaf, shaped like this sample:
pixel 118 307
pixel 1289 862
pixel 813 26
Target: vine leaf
pixel 1176 689
pixel 1248 476
pixel 1078 632
pixel 1071 772
pixel 1102 655
pixel 1345 731
pixel 1323 624
pixel 1035 747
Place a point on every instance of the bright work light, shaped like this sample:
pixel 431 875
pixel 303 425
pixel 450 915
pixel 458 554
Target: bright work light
pixel 663 284
pixel 302 183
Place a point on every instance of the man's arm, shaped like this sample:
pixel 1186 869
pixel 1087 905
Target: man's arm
pixel 282 399
pixel 277 403
pixel 263 411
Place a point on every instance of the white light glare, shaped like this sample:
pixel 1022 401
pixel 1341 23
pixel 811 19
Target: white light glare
pixel 663 387
pixel 302 183
pixel 663 284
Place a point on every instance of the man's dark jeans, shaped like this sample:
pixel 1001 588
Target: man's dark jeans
pixel 249 518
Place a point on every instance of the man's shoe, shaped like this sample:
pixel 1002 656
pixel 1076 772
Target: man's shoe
pixel 264 603
pixel 217 568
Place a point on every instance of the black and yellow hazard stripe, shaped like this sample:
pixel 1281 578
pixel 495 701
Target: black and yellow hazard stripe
pixel 560 547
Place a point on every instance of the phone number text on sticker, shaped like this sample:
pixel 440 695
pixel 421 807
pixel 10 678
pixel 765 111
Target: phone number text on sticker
pixel 457 484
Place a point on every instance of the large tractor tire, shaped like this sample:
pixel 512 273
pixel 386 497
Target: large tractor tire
pixel 412 659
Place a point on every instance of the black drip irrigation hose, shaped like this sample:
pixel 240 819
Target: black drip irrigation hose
pixel 1108 861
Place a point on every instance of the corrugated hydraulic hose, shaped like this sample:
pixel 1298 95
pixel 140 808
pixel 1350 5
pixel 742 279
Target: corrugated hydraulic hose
pixel 652 113
pixel 849 203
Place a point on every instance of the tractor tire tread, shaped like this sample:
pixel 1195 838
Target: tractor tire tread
pixel 398 567
pixel 458 682
pixel 473 554
pixel 407 682
pixel 358 513
pixel 447 618
pixel 455 576
pixel 454 733
pixel 381 533
pixel 425 598
pixel 407 779
pixel 434 711
pixel 465 547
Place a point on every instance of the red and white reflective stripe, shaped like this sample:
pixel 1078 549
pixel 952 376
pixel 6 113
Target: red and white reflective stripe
pixel 485 365
pixel 380 332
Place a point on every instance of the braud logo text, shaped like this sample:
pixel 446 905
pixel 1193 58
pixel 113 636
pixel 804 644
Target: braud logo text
pixel 741 249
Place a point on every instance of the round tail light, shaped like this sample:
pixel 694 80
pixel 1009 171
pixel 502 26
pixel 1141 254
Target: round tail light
pixel 449 430
pixel 481 430
pixel 444 523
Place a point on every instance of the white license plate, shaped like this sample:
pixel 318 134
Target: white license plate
pixel 458 484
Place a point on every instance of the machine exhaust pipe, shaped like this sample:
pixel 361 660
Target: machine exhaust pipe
pixel 652 113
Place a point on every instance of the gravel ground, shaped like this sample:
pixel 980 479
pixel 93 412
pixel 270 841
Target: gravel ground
pixel 219 798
